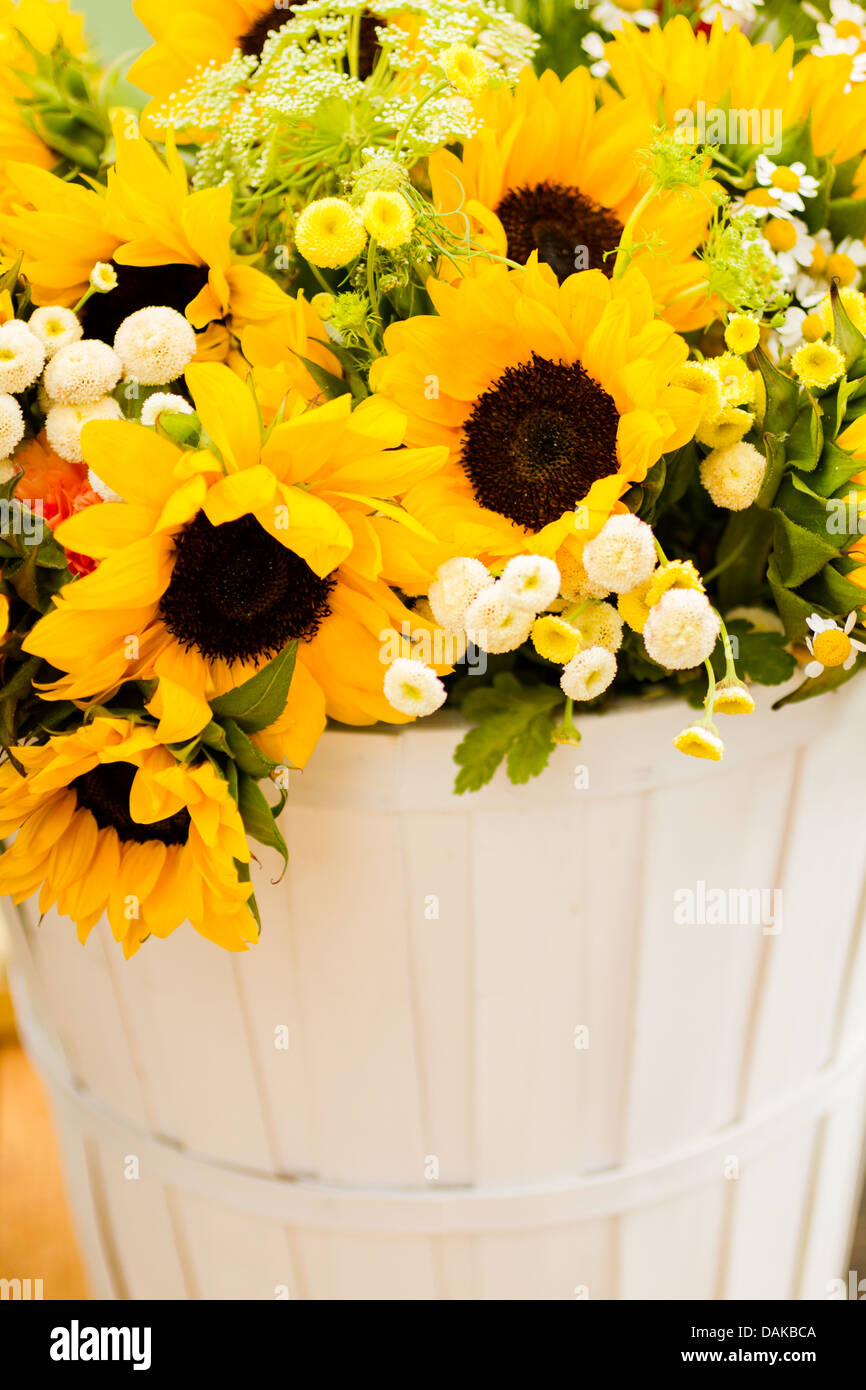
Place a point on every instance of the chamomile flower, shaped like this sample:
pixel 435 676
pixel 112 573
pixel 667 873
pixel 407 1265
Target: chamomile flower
pixel 792 246
pixel 623 554
pixel 611 15
pixel 733 476
pixel 388 218
pixel 55 327
pixel 330 233
pixel 457 584
pixel 845 33
pixel 682 630
pixel 739 12
pixel 413 688
pixel 22 356
pixel 818 365
pixel 155 345
pixel 790 183
pixel 700 741
pixel 830 645
pixel 531 582
pixel 589 673
pixel 593 47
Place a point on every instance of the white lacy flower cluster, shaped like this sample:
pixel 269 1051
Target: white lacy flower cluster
pixel 250 105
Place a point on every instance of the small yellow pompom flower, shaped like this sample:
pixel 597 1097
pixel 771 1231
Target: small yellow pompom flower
pixel 330 233
pixel 742 334
pixel 388 218
pixel 703 379
pixel 676 574
pixel 854 304
pixel 633 607
pixel 323 305
pixel 818 364
pixel 813 329
pixel 103 277
pixel 727 428
pixel 699 741
pixel 465 69
pixel 733 476
pixel 555 639
pixel 738 382
pixel 732 697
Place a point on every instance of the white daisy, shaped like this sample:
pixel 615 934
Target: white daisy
pixel 830 645
pixel 845 33
pixel 790 183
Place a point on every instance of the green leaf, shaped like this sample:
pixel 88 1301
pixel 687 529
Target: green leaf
pixel 804 443
pixel 796 500
pixel 847 218
pixel 829 679
pixel 837 468
pixel 530 752
pixel 331 386
pixel 848 339
pixel 833 591
pixel 799 553
pixel 513 722
pixel 261 700
pixel 762 656
pixel 248 758
pixel 258 817
pixel 783 396
pixel 793 608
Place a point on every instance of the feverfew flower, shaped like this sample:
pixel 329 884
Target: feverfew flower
pixel 103 278
pixel 413 688
pixel 681 630
pixel 742 333
pixel 162 401
pixel 495 624
pixel 55 327
pixel 589 674
pixel 388 218
pixel 531 582
pixel 457 583
pixel 599 625
pixel 830 645
pixel 700 741
pixel 731 697
pixel 11 425
pixel 555 639
pixel 818 365
pixel 82 372
pixel 330 233
pixel 155 345
pixel 623 554
pixel 733 476
pixel 465 69
pixel 64 423
pixel 790 183
pixel 22 357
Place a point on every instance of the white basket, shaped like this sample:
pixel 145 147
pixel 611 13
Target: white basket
pixel 433 1130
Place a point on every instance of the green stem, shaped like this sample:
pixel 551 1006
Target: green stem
pixel 626 246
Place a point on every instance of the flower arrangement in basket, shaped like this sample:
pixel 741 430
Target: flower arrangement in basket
pixel 406 354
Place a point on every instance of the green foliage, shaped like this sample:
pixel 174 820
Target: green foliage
pixel 514 722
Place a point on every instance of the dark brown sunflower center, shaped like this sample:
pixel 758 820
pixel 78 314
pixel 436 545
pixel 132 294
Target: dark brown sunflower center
pixel 104 792
pixel 140 287
pixel 237 594
pixel 568 230
pixel 538 439
pixel 253 41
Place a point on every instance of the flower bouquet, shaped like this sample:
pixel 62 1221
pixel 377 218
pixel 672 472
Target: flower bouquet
pixel 492 368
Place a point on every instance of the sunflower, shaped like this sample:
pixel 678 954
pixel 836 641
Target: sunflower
pixel 109 822
pixel 218 558
pixel 550 174
pixel 563 402
pixel 284 353
pixel 168 246
pixel 44 24
pixel 670 68
pixel 190 34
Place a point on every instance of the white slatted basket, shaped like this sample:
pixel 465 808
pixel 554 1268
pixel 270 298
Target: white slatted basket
pixel 432 1131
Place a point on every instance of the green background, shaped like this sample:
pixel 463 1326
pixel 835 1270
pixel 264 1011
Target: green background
pixel 112 27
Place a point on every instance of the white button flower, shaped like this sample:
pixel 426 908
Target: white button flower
pixel 789 184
